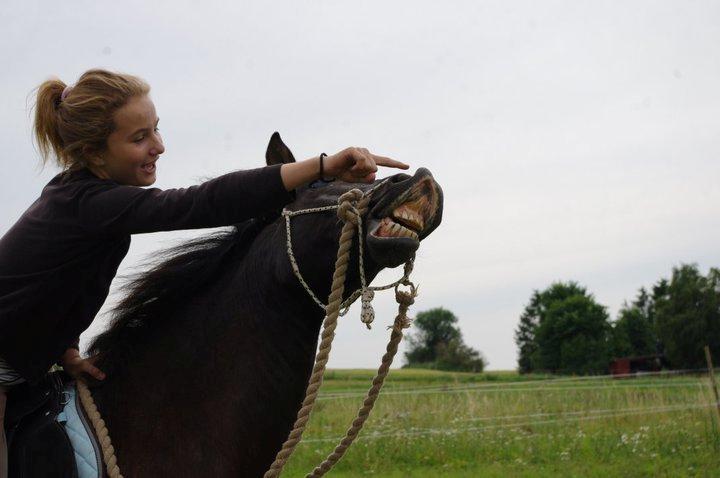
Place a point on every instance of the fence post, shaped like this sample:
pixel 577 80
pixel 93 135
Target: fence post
pixel 712 377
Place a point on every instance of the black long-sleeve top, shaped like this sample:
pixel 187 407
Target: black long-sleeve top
pixel 58 260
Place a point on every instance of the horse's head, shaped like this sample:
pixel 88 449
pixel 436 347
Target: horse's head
pixel 403 210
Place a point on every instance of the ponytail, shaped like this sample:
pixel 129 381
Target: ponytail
pixel 46 128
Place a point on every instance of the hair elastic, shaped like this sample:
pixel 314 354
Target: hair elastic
pixel 65 92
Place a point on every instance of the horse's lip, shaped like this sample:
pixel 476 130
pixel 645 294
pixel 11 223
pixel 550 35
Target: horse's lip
pixel 385 207
pixel 425 209
pixel 389 251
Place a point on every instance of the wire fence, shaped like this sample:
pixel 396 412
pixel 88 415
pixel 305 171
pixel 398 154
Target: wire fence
pixel 538 385
pixel 580 378
pixel 691 379
pixel 563 418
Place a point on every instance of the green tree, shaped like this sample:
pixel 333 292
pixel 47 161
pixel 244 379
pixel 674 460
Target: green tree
pixel 687 315
pixel 437 343
pixel 634 331
pixel 531 318
pixel 456 355
pixel 574 337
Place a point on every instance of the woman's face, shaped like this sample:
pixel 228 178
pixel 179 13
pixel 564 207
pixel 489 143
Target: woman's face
pixel 134 147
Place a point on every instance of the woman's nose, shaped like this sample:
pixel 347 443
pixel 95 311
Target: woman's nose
pixel 158 147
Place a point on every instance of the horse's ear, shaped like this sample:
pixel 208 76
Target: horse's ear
pixel 277 152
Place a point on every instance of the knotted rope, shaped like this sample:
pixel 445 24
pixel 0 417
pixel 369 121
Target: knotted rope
pixel 350 209
pixel 402 321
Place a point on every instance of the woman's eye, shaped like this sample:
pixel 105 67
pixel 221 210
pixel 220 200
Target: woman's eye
pixel 143 137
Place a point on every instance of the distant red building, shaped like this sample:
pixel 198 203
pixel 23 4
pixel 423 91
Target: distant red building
pixel 642 363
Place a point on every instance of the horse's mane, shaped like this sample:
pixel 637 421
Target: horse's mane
pixel 151 297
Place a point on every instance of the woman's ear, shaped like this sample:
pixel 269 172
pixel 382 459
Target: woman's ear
pixel 92 157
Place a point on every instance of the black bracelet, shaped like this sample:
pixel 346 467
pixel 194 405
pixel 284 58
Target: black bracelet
pixel 322 155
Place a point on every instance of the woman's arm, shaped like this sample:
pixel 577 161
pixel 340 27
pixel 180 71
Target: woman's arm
pixel 108 209
pixel 298 173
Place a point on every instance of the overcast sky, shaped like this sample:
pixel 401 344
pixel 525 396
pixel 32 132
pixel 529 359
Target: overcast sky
pixel 574 140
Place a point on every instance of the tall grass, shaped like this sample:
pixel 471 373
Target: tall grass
pixel 429 423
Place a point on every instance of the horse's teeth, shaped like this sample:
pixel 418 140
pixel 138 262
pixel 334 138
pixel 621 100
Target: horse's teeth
pixel 388 228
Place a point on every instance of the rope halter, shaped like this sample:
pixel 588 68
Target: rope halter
pixel 349 211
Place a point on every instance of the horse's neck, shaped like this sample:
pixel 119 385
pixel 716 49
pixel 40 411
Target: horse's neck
pixel 234 363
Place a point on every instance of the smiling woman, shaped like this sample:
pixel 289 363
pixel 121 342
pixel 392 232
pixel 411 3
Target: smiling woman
pixel 118 137
pixel 134 147
pixel 94 124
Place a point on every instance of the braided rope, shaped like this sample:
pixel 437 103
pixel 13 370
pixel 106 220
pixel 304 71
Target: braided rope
pixel 352 216
pixel 402 321
pixel 328 332
pixel 100 429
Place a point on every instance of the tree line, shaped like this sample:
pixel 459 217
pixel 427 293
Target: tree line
pixel 563 329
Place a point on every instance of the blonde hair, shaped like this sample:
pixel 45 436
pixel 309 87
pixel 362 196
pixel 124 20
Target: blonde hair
pixel 75 129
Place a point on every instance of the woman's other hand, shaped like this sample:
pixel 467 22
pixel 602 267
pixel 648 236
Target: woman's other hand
pixel 355 165
pixel 75 365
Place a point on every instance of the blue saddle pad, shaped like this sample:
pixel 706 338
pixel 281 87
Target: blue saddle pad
pixel 88 455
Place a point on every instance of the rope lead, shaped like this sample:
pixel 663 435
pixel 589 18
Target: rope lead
pixel 350 209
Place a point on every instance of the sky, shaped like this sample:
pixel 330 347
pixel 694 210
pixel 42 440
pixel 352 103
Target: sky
pixel 573 140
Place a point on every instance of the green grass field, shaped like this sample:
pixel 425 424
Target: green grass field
pixel 428 423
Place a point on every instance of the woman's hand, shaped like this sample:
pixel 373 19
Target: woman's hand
pixel 75 365
pixel 355 165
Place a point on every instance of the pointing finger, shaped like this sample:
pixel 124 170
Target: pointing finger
pixel 385 161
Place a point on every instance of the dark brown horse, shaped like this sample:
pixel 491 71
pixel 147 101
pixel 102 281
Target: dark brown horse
pixel 208 355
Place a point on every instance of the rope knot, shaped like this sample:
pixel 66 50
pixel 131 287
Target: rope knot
pixel 367 314
pixel 347 212
pixel 404 299
pixel 347 206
